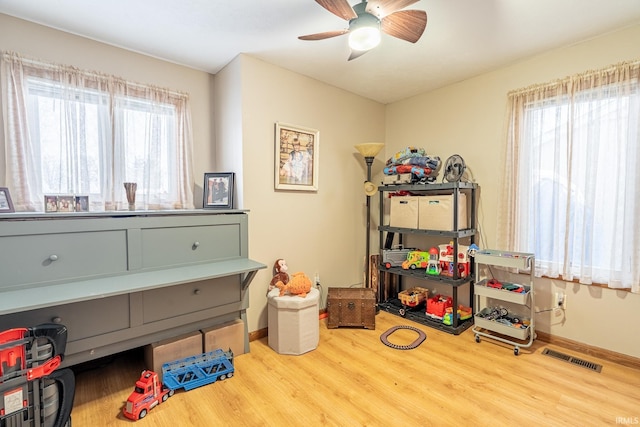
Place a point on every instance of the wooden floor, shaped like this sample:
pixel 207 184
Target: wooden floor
pixel 352 379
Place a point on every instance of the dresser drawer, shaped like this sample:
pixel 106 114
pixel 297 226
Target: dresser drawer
pixel 83 319
pixel 170 246
pixel 40 258
pixel 172 301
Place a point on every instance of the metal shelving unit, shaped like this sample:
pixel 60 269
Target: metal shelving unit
pixel 487 322
pixel 417 314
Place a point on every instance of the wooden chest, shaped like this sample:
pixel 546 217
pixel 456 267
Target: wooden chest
pixel 351 307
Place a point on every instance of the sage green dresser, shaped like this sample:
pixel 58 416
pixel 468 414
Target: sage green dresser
pixel 120 280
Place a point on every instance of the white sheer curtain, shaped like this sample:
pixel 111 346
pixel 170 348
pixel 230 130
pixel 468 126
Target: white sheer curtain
pixel 70 131
pixel 571 182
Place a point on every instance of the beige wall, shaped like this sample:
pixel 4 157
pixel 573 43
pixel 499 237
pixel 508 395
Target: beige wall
pixel 467 118
pixel 233 117
pixel 316 232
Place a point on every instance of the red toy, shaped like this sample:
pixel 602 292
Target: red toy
pixel 148 393
pixel 437 306
pixel 446 260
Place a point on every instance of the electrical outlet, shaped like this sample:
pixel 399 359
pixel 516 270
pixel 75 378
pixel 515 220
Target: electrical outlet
pixel 560 300
pixel 316 279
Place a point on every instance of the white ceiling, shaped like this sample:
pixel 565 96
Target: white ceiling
pixel 463 38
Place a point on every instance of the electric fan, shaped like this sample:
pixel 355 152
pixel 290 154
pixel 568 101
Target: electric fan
pixel 454 168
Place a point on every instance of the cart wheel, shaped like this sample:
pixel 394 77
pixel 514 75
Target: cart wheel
pixel 165 397
pixel 477 338
pixel 402 312
pixel 142 414
pixel 516 351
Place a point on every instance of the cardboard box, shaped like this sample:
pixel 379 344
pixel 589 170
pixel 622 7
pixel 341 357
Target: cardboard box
pixel 436 212
pixel 158 353
pixel 229 335
pixel 404 212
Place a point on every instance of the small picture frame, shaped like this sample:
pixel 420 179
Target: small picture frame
pixel 82 203
pixel 66 204
pixel 50 203
pixel 218 190
pixel 6 205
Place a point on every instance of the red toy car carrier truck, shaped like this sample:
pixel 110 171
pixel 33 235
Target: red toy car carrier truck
pixel 187 373
pixel 148 392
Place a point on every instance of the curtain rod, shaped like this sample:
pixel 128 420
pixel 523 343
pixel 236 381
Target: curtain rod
pixel 558 82
pixel 12 56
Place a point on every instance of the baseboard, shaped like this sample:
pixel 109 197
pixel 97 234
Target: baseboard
pixel 612 356
pixel 260 333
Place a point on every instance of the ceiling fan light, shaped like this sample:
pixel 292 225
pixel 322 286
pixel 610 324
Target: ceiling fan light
pixel 364 38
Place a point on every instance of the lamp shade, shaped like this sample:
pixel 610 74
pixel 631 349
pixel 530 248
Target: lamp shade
pixel 364 31
pixel 364 38
pixel 369 149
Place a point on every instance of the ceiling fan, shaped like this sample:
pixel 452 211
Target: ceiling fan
pixel 368 18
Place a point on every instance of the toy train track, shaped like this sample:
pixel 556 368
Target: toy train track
pixel 385 338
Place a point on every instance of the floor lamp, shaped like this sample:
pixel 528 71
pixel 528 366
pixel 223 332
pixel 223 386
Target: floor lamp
pixel 369 150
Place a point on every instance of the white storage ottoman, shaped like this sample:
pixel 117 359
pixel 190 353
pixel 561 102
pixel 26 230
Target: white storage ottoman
pixel 294 325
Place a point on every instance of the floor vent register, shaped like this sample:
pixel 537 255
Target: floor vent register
pixel 573 360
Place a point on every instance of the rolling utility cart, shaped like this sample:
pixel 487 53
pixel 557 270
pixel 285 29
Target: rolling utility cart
pixel 496 321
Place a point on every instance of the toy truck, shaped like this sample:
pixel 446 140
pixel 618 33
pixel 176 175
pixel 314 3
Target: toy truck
pixel 395 256
pixel 148 393
pixel 416 259
pixel 187 373
pixel 196 371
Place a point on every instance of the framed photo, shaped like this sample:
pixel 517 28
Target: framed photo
pixel 50 203
pixel 82 203
pixel 218 190
pixel 296 158
pixel 6 206
pixel 66 204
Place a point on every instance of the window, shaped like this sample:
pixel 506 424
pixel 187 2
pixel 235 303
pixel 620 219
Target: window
pixel 83 133
pixel 572 193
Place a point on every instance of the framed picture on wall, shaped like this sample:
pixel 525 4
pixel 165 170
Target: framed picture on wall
pixel 6 206
pixel 218 190
pixel 296 158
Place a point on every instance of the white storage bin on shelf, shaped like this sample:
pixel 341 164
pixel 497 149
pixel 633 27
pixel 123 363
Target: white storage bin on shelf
pixel 488 323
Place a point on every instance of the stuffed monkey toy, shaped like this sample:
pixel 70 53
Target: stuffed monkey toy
pixel 280 273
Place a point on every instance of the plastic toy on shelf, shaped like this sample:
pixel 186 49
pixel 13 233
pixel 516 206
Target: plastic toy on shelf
pixel 416 259
pixel 395 256
pixel 446 260
pixel 433 266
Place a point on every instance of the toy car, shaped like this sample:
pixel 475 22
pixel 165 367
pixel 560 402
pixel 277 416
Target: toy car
pixel 395 256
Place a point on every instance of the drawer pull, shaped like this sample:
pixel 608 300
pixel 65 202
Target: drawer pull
pixel 57 320
pixel 195 245
pixel 53 257
pixel 196 292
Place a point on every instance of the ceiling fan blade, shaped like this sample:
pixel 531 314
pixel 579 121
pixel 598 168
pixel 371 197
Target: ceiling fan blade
pixel 382 8
pixel 340 8
pixel 357 54
pixel 406 24
pixel 325 35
